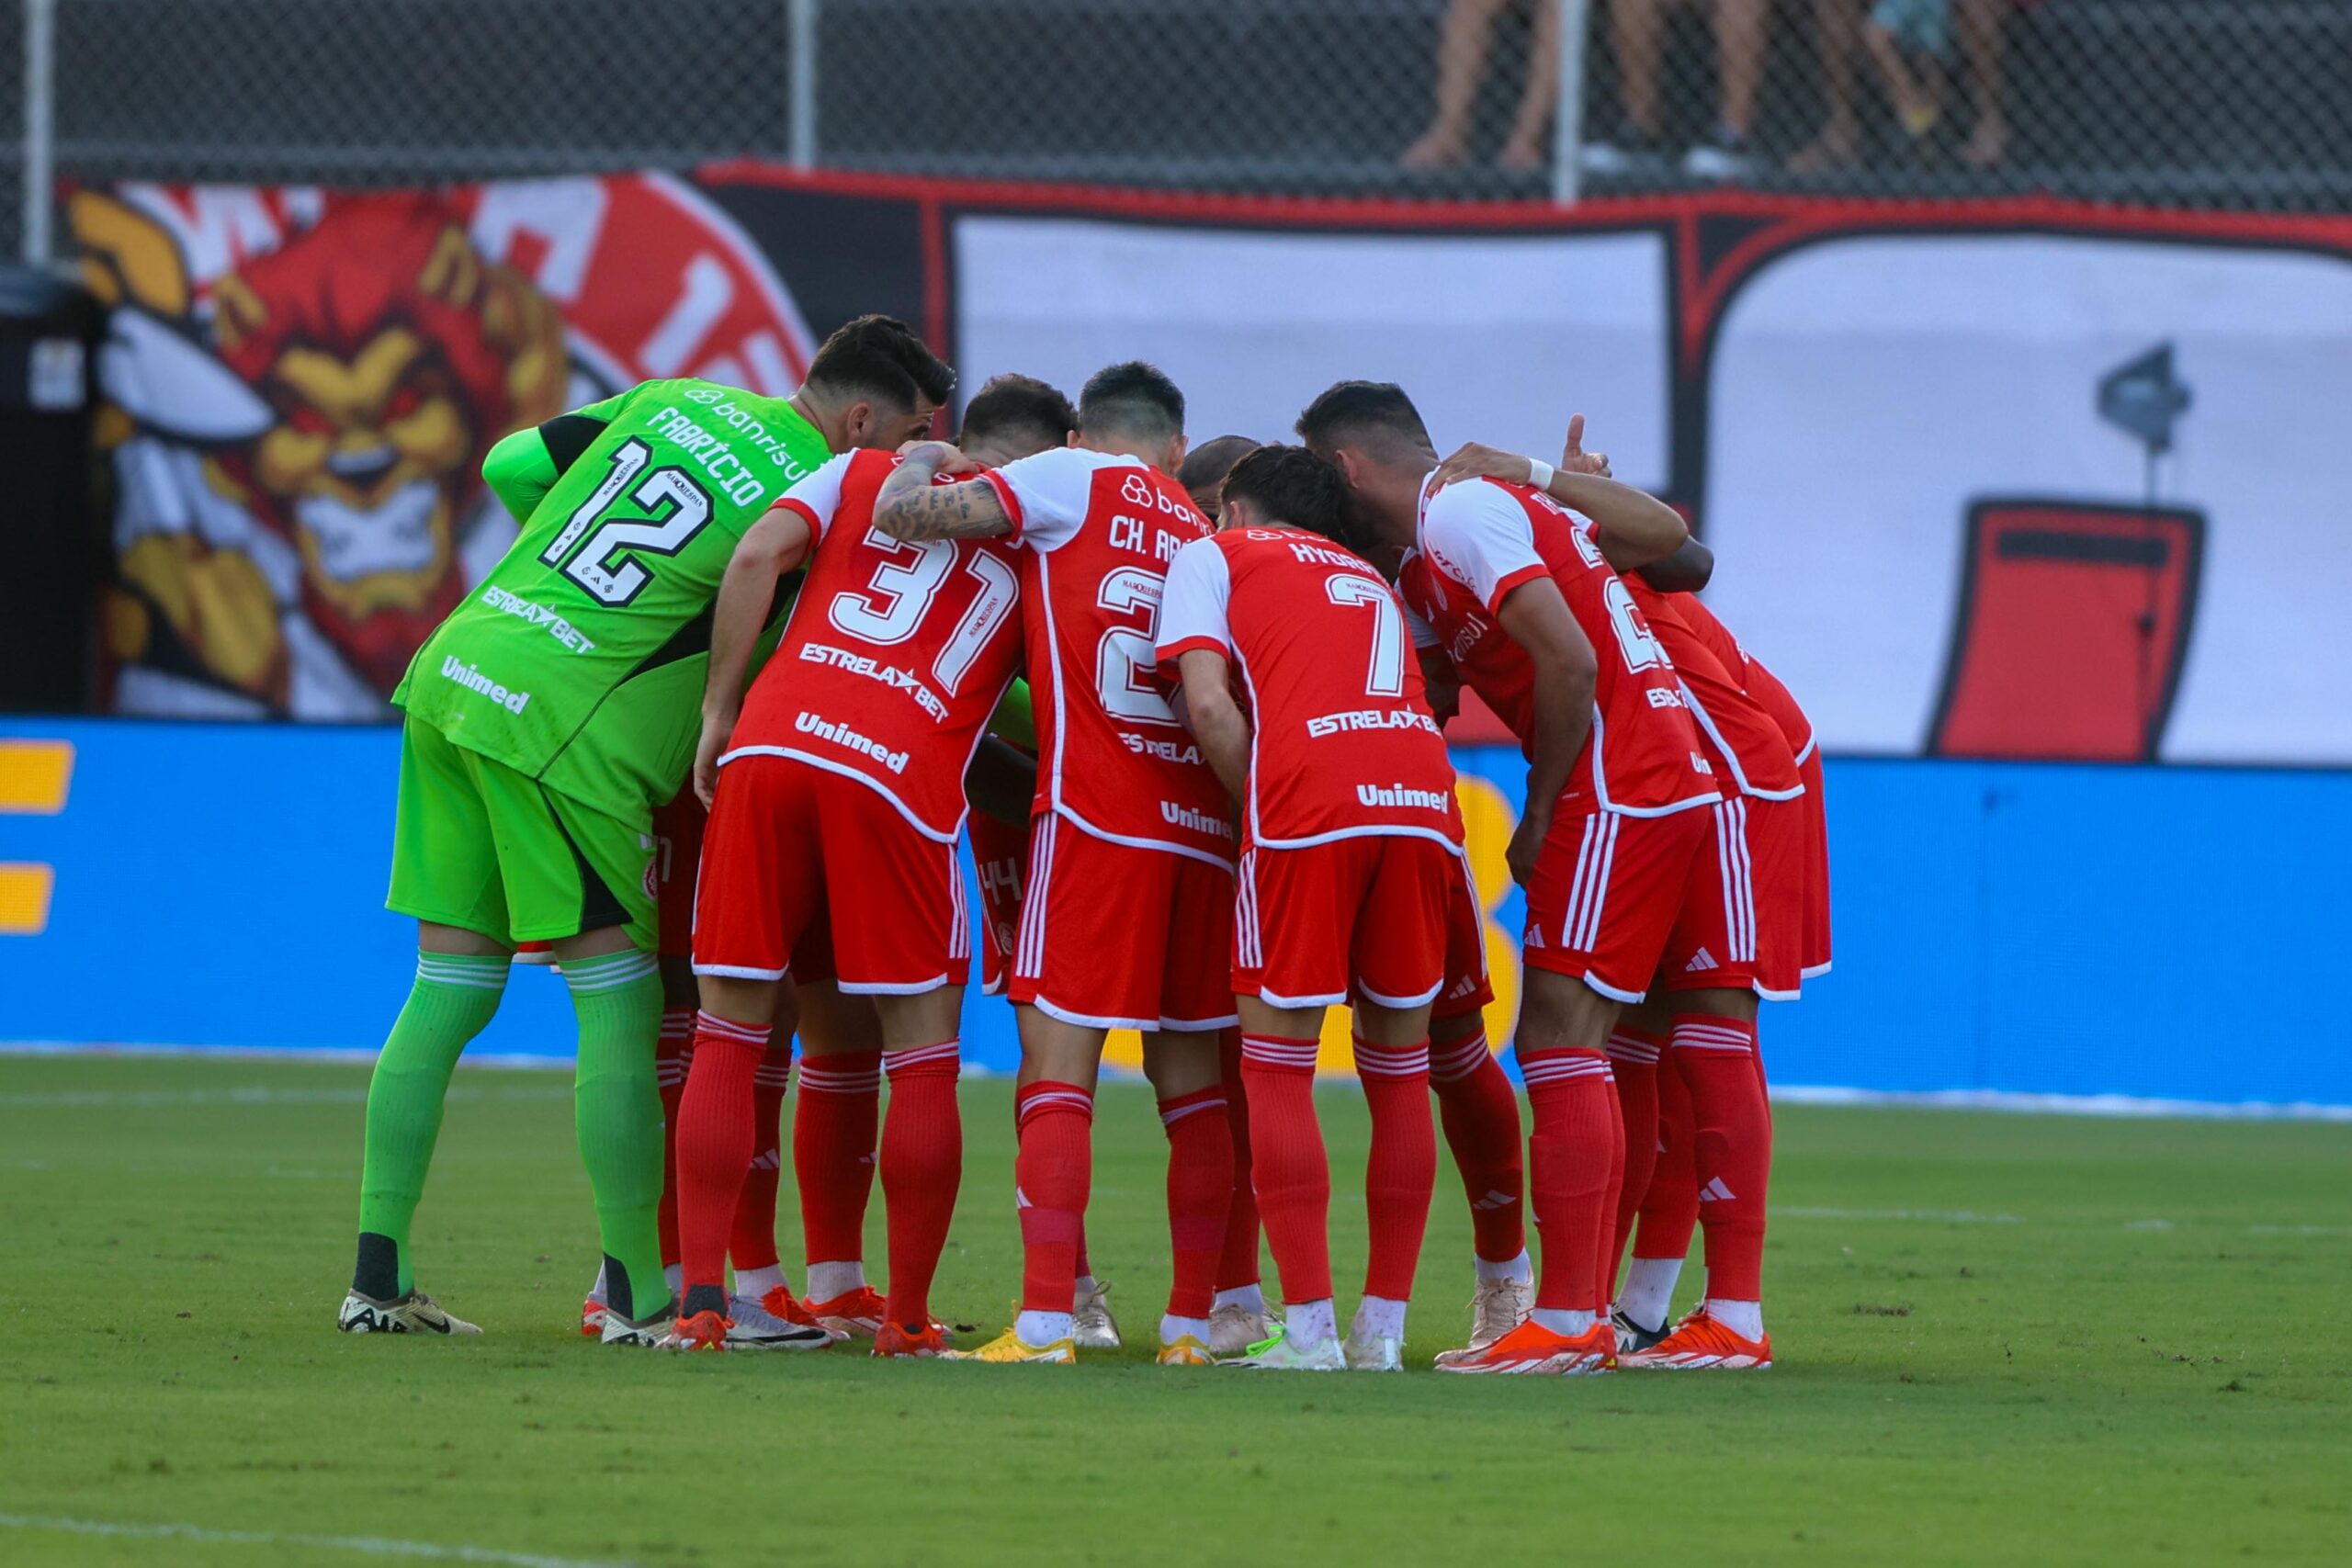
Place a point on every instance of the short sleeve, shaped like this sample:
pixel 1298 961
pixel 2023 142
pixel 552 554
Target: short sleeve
pixel 816 498
pixel 1046 494
pixel 1478 535
pixel 1193 608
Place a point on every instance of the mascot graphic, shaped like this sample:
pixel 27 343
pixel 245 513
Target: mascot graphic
pixel 300 392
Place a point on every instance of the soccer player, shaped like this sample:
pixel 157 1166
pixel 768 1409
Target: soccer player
pixel 1520 600
pixel 1351 859
pixel 1129 899
pixel 546 718
pixel 837 796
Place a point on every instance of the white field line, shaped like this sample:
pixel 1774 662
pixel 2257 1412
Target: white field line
pixel 1932 1216
pixel 371 1546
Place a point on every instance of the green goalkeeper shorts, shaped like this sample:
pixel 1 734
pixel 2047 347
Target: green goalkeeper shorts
pixel 478 845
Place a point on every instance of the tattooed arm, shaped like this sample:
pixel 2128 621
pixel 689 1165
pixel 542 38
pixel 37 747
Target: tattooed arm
pixel 910 506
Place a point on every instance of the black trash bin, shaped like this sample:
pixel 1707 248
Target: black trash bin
pixel 51 537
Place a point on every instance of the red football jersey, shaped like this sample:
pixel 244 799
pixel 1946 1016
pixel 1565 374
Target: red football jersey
pixel 1758 682
pixel 1480 539
pixel 1096 533
pixel 1343 745
pixel 896 654
pixel 1739 734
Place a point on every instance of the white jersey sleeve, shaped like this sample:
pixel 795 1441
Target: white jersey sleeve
pixel 1193 608
pixel 1478 535
pixel 819 496
pixel 1047 495
pixel 1422 633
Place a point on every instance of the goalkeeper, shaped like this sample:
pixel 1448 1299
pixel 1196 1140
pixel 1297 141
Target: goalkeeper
pixel 546 718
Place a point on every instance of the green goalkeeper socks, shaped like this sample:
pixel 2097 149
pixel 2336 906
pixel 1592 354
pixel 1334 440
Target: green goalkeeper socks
pixel 618 1112
pixel 453 998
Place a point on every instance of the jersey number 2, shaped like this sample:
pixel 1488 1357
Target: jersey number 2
pixel 674 508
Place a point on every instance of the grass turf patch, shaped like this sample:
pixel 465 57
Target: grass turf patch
pixel 2045 1339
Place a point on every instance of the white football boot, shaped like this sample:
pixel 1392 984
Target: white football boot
pixel 646 1332
pixel 751 1327
pixel 1233 1328
pixel 414 1313
pixel 1092 1325
pixel 1276 1353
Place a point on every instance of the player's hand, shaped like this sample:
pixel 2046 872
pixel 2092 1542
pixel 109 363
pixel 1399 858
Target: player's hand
pixel 716 731
pixel 941 457
pixel 1575 459
pixel 1527 843
pixel 1473 461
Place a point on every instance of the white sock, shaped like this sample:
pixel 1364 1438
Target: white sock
pixel 1038 1329
pixel 1172 1328
pixel 596 1290
pixel 1568 1324
pixel 672 1274
pixel 1248 1298
pixel 827 1281
pixel 1086 1285
pixel 1518 1268
pixel 758 1282
pixel 1379 1317
pixel 1648 1293
pixel 1309 1324
pixel 1743 1318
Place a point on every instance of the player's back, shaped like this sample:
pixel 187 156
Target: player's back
pixel 567 661
pixel 1097 532
pixel 896 654
pixel 1481 540
pixel 1344 743
pixel 1757 681
pixel 1735 727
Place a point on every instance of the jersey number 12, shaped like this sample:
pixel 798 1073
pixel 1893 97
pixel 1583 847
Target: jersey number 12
pixel 672 508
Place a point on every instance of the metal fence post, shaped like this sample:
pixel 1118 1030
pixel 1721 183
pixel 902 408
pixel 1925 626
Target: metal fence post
pixel 801 147
pixel 1567 118
pixel 40 128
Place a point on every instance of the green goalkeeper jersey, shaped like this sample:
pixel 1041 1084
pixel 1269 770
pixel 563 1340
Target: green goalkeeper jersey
pixel 580 660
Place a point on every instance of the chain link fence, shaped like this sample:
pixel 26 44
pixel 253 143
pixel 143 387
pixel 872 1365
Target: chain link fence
pixel 2230 102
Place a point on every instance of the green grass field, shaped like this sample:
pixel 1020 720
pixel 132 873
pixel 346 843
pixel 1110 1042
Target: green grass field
pixel 2043 1339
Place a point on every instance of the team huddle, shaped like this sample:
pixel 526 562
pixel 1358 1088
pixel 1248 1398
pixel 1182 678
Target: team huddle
pixel 712 731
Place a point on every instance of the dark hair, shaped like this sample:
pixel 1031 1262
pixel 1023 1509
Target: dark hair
pixel 1291 484
pixel 1376 414
pixel 1134 399
pixel 880 359
pixel 1010 405
pixel 1209 463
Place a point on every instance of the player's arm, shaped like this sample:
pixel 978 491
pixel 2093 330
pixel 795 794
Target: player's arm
pixel 1691 568
pixel 1631 526
pixel 1536 617
pixel 910 505
pixel 523 467
pixel 1441 685
pixel 1217 721
pixel 775 545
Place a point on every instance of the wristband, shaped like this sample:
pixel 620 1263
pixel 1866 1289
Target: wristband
pixel 1539 473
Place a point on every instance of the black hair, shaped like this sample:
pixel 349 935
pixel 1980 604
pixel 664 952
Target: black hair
pixel 1019 406
pixel 1209 463
pixel 1134 399
pixel 1291 484
pixel 881 359
pixel 1375 414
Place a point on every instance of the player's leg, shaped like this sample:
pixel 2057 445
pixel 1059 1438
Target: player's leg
pixel 1635 1047
pixel 1667 1216
pixel 1600 907
pixel 1185 1064
pixel 1238 1317
pixel 445 873
pixel 1478 1111
pixel 836 1123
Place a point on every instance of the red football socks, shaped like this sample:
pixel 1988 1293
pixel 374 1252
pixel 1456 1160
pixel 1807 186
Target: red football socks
pixel 1051 1175
pixel 752 1241
pixel 1238 1269
pixel 832 1151
pixel 923 1166
pixel 1670 1210
pixel 672 1052
pixel 1479 1111
pixel 1288 1165
pixel 715 1140
pixel 1632 1060
pixel 1199 1192
pixel 1731 1147
pixel 1402 1170
pixel 1573 1160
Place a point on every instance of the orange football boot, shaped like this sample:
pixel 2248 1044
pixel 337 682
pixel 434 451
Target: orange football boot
pixel 853 1314
pixel 1701 1341
pixel 1532 1347
pixel 591 1319
pixel 703 1331
pixel 891 1340
pixel 783 1303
